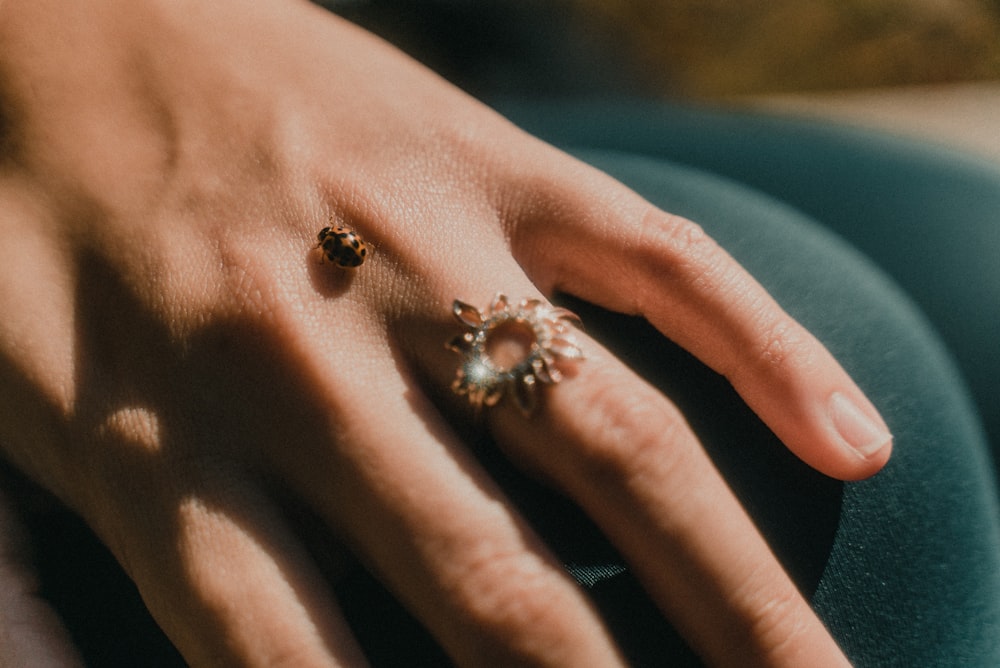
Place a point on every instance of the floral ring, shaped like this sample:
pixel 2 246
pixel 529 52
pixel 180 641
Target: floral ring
pixel 510 349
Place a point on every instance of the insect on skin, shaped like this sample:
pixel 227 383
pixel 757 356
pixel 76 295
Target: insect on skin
pixel 342 246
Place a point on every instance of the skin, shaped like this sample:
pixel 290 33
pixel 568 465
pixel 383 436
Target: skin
pixel 175 359
pixel 30 633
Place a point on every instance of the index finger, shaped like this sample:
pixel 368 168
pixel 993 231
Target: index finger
pixel 613 248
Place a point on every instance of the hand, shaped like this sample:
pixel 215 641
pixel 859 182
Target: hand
pixel 177 360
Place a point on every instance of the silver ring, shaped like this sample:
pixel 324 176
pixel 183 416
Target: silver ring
pixel 508 350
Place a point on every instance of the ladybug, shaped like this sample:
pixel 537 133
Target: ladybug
pixel 342 246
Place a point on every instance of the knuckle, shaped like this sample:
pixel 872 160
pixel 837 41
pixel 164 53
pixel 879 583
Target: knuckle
pixel 671 233
pixel 778 623
pixel 775 621
pixel 674 244
pixel 504 590
pixel 781 344
pixel 513 606
pixel 631 435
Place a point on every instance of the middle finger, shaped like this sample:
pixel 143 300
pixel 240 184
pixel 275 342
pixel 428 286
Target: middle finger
pixel 413 503
pixel 628 458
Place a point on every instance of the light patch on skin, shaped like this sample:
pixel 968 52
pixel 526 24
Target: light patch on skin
pixel 136 426
pixel 250 578
pixel 37 296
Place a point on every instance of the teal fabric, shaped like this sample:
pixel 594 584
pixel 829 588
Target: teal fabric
pixel 905 567
pixel 912 573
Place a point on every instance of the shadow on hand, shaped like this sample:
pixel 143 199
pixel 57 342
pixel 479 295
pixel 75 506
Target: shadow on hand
pixel 795 507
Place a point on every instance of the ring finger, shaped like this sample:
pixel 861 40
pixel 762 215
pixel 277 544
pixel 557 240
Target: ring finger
pixel 628 458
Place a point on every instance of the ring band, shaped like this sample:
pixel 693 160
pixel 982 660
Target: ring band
pixel 511 349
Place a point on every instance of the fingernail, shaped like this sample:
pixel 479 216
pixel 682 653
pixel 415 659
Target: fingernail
pixel 854 426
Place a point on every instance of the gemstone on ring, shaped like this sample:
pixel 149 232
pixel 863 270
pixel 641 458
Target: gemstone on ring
pixel 511 349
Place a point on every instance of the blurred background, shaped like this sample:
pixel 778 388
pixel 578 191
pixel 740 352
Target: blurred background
pixel 925 67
